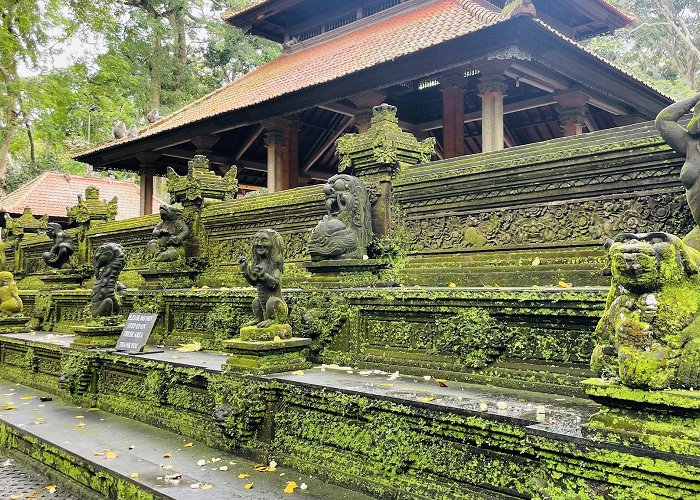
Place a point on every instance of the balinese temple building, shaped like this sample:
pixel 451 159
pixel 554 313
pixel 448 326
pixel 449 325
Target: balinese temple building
pixel 477 75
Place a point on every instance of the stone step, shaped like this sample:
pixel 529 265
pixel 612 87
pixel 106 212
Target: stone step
pixel 506 276
pixel 74 444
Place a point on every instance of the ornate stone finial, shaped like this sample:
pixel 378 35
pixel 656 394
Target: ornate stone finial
pixel 383 144
pixel 59 255
pixel 647 337
pixel 169 235
pixel 25 223
pixel 346 230
pixel 107 263
pixel 10 301
pixel 264 271
pixel 201 183
pixel 92 208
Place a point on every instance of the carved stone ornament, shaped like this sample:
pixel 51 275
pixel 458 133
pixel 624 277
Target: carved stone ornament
pixel 346 229
pixel 25 223
pixel 107 263
pixel 649 335
pixel 169 235
pixel 92 208
pixel 200 182
pixel 264 271
pixel 59 255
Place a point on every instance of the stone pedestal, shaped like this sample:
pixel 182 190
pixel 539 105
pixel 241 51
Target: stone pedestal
pixel 260 357
pixel 14 324
pixel 667 421
pixel 159 279
pixel 98 332
pixel 62 279
pixel 373 266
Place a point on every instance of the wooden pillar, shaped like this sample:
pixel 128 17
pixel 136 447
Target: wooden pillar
pixel 492 89
pixel 146 191
pixel 453 114
pixel 274 141
pixel 292 178
pixel 572 112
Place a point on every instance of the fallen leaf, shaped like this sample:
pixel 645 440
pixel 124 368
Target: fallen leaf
pixel 426 400
pixel 79 417
pixel 303 486
pixel 243 476
pixel 134 475
pixel 193 347
pixel 168 455
pixel 188 445
pixel 277 338
pixel 201 462
pixel 223 467
pixel 298 372
pixel 206 486
pixel 110 455
pixel 166 466
pixel 261 468
pixel 93 409
pixel 26 398
pixel 452 285
pixel 386 386
pixel 248 486
pixel 82 424
pixel 441 382
pixel 536 261
pixel 51 488
pixel 291 486
pixel 7 407
pixel 564 284
pixel 194 486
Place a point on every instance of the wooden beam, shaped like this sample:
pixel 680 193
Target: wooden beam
pixel 249 142
pixel 185 154
pixel 345 123
pixel 475 116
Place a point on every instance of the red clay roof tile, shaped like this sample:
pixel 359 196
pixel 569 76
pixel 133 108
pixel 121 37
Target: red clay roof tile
pixel 52 192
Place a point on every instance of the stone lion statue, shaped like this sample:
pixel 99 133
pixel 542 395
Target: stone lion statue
pixel 649 335
pixel 10 301
pixel 264 272
pixel 107 262
pixel 169 234
pixel 346 229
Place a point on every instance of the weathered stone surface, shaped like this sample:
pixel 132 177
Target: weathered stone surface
pixel 10 301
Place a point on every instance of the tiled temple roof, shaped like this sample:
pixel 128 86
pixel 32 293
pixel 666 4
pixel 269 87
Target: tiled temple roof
pixel 52 192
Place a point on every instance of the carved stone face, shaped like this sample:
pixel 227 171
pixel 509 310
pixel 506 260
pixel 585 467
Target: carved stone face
pixel 331 191
pixel 168 212
pixel 645 262
pixel 262 245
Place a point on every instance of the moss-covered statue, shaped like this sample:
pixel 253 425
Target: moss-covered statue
pixel 59 255
pixel 649 335
pixel 107 263
pixel 10 302
pixel 264 271
pixel 346 229
pixel 685 142
pixel 169 235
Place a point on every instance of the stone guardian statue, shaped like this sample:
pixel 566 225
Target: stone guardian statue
pixel 685 142
pixel 169 235
pixel 345 231
pixel 10 301
pixel 264 271
pixel 59 255
pixel 107 263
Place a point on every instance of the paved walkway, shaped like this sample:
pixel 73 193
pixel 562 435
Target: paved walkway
pixel 19 482
pixel 147 455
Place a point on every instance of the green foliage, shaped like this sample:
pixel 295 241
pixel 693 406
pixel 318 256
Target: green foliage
pixel 661 47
